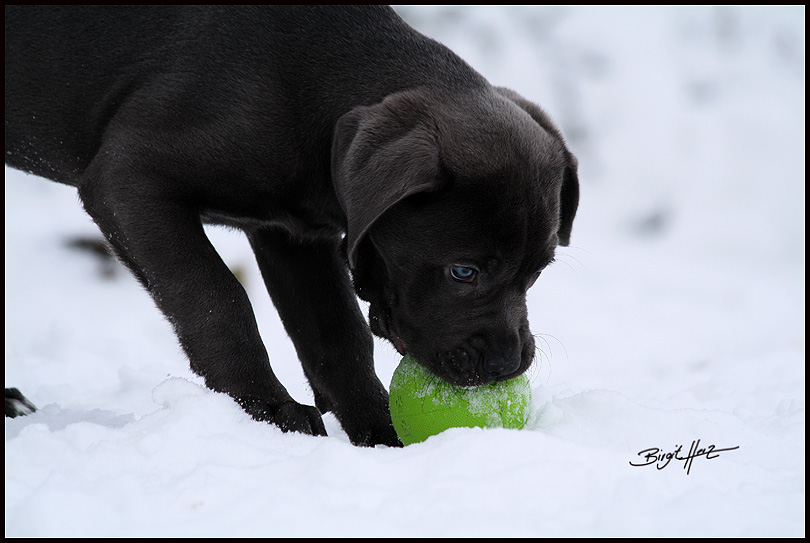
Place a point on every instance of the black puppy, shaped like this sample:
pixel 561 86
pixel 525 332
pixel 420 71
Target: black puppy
pixel 331 136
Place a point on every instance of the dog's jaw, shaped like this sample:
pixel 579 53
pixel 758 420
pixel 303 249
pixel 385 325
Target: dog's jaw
pixel 466 364
pixel 399 345
pixel 379 322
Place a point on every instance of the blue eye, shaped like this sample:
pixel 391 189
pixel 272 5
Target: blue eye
pixel 463 274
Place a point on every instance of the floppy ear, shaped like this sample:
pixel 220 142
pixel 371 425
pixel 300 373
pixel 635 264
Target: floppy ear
pixel 569 189
pixel 569 199
pixel 380 155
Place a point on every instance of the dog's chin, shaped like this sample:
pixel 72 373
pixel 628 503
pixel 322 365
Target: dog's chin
pixel 379 322
pixel 399 345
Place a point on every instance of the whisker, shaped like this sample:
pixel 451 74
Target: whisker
pixel 542 342
pixel 555 339
pixel 565 258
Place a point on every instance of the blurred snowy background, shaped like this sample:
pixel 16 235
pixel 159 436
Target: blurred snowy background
pixel 677 314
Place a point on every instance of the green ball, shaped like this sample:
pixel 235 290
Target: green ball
pixel 422 405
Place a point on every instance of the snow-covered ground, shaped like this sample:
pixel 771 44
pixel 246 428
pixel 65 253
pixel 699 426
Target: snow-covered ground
pixel 677 315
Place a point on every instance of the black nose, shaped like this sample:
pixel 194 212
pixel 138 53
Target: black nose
pixel 497 364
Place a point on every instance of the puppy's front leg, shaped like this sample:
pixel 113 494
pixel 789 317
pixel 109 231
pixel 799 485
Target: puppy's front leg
pixel 160 237
pixel 310 287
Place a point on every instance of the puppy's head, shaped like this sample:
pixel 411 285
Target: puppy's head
pixel 453 208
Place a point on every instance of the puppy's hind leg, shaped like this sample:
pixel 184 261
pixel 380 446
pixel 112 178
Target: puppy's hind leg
pixel 17 404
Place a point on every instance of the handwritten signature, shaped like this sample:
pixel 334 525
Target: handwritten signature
pixel 654 455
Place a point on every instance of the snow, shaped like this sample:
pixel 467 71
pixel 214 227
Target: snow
pixel 677 315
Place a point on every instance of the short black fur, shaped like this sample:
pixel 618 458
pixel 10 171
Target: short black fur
pixel 351 149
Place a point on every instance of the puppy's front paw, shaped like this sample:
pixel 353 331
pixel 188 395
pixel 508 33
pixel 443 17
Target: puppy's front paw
pixel 365 418
pixel 290 416
pixel 383 434
pixel 17 404
pixel 370 427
